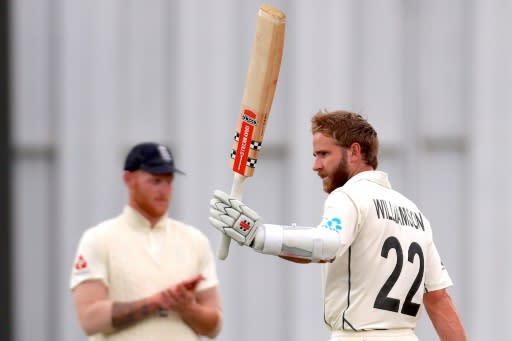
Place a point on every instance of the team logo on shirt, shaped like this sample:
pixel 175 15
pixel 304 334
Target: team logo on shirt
pixel 81 263
pixel 333 224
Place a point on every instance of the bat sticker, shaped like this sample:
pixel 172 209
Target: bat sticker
pixel 256 145
pixel 245 139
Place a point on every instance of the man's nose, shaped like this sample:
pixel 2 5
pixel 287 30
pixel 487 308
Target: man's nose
pixel 317 164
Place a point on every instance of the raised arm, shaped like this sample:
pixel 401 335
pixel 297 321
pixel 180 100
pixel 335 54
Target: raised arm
pixel 293 243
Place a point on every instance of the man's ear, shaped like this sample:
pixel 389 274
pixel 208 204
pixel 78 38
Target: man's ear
pixel 355 151
pixel 127 176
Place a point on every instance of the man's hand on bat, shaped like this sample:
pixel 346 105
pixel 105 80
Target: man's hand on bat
pixel 233 218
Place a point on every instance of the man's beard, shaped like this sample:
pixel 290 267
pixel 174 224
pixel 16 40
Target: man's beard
pixel 148 204
pixel 152 209
pixel 340 175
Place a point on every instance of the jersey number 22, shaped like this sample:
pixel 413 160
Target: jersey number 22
pixel 383 301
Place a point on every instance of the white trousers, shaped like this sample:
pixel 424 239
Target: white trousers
pixel 375 335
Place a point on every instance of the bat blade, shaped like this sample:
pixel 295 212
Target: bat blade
pixel 259 90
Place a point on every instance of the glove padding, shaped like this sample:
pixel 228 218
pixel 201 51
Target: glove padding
pixel 233 218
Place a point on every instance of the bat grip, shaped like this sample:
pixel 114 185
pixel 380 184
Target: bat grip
pixel 223 251
pixel 237 189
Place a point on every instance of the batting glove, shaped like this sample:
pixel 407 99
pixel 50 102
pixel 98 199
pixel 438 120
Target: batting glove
pixel 233 218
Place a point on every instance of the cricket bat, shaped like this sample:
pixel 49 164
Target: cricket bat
pixel 260 87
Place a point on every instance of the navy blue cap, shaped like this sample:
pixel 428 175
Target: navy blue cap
pixel 151 157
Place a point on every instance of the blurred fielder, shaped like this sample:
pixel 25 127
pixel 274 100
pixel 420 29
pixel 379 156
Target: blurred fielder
pixel 143 275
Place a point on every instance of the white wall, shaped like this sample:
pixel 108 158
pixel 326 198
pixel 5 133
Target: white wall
pixel 93 77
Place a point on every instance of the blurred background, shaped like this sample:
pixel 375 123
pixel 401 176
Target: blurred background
pixel 82 81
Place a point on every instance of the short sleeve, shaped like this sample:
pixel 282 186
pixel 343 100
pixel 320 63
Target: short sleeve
pixel 90 260
pixel 207 266
pixel 340 215
pixel 436 275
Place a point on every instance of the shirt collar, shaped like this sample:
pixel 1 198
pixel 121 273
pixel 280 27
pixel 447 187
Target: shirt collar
pixel 138 220
pixel 377 177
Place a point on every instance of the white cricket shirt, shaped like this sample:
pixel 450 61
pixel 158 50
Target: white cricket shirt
pixel 136 261
pixel 389 260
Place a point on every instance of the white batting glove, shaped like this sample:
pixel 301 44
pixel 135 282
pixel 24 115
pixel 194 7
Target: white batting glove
pixel 233 218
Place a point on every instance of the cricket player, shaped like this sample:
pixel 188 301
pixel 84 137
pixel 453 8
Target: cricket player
pixel 380 263
pixel 143 275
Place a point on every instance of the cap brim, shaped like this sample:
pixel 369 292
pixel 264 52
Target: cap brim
pixel 162 169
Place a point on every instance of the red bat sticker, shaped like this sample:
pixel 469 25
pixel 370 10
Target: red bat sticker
pixel 246 133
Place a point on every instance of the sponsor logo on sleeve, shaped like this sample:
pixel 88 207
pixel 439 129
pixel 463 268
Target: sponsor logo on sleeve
pixel 81 263
pixel 333 224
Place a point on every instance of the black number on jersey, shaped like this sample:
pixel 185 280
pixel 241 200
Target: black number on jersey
pixel 383 301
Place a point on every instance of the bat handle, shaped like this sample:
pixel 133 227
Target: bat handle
pixel 223 251
pixel 237 190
